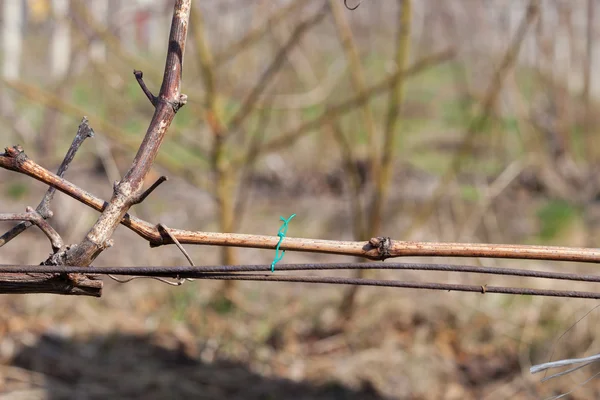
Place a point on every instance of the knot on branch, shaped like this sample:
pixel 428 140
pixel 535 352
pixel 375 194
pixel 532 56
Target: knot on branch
pixel 165 237
pixel 177 104
pixel 17 154
pixel 59 257
pixel 382 244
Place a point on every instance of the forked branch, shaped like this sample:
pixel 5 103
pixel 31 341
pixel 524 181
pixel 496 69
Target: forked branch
pixel 43 209
pixel 128 191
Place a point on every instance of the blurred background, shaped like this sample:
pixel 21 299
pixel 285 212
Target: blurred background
pixel 455 120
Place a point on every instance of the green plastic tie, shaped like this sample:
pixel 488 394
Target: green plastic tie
pixel 282 232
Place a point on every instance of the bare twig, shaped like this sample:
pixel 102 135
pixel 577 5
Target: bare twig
pixel 376 248
pixel 151 189
pixel 245 170
pixel 35 218
pixel 587 78
pixel 214 116
pixel 357 75
pixel 500 183
pixel 119 136
pixel 358 82
pixel 384 168
pixel 139 76
pixel 353 172
pixel 34 282
pixel 43 209
pixel 163 229
pixel 128 190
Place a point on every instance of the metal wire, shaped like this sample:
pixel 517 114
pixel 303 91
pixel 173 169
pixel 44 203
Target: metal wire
pixel 187 271
pixel 247 272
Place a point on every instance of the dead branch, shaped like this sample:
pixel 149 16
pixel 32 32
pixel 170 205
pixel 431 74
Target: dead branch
pixel 375 249
pixel 34 218
pixel 126 193
pixel 38 282
pixel 128 190
pixel 347 41
pixel 43 209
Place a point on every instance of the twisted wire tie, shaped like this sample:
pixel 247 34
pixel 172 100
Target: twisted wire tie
pixel 281 233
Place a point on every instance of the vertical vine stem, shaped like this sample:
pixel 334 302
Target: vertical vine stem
pixel 168 101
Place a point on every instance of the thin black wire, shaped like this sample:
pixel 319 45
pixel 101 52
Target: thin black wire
pixel 232 272
pixel 184 271
pixel 407 285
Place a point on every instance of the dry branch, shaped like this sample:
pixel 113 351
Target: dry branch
pixel 375 249
pixel 128 190
pixel 213 113
pixel 38 282
pixel 31 216
pixel 43 209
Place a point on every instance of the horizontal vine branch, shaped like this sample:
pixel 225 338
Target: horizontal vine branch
pixel 379 248
pixel 39 282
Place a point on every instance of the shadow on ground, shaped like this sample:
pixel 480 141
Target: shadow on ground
pixel 133 367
